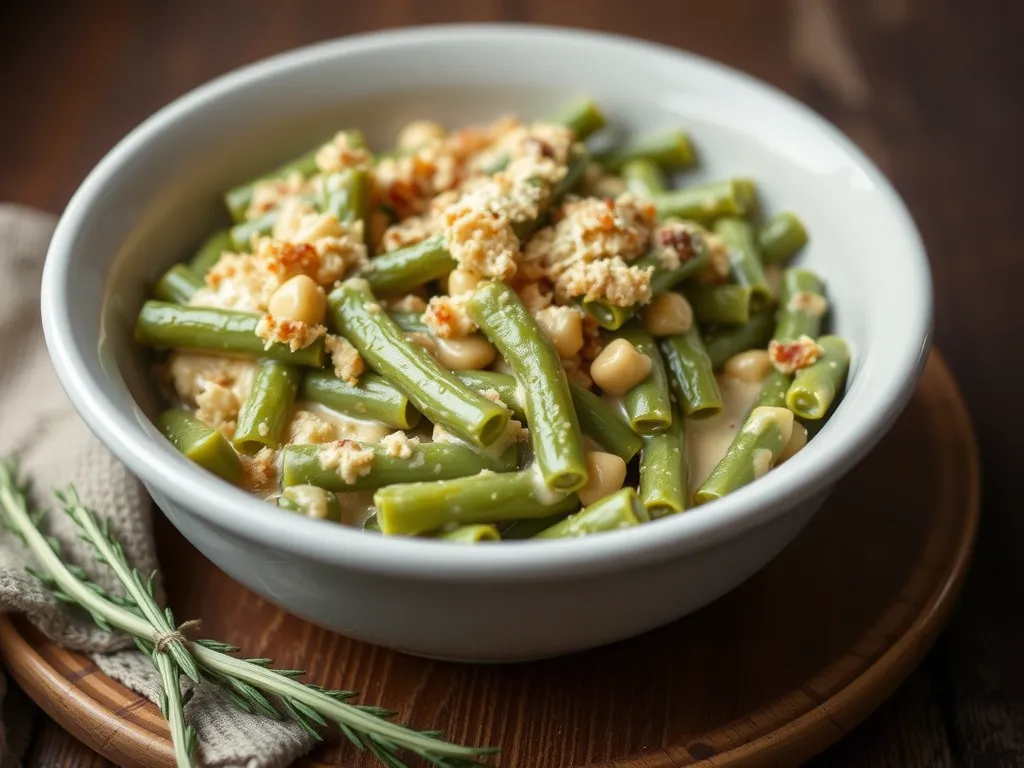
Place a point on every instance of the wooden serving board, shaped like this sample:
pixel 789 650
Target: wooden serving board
pixel 770 674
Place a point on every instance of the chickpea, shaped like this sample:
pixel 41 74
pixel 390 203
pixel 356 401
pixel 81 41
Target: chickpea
pixel 605 474
pixel 564 327
pixel 462 280
pixel 619 367
pixel 470 353
pixel 420 132
pixel 752 365
pixel 797 440
pixel 669 314
pixel 299 299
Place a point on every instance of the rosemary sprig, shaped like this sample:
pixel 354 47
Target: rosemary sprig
pixel 250 684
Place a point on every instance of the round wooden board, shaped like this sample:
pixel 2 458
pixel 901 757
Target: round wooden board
pixel 771 674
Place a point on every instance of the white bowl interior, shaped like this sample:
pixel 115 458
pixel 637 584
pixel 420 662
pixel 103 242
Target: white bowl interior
pixel 157 194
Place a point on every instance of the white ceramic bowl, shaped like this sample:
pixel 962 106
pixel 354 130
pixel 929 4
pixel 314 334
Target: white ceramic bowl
pixel 158 191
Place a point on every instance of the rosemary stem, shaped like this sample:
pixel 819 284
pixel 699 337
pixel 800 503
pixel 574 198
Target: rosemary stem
pixel 182 736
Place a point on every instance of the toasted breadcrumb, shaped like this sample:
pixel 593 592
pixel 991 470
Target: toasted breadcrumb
pixel 408 303
pixel 271 193
pixel 347 362
pixel 718 267
pixel 790 356
pixel 447 317
pixel 339 154
pixel 217 405
pixel 612 280
pixel 410 231
pixel 481 241
pixel 677 242
pixel 536 296
pixel 259 472
pixel 296 334
pixel 190 373
pixel 441 435
pixel 347 458
pixel 399 445
pixel 307 427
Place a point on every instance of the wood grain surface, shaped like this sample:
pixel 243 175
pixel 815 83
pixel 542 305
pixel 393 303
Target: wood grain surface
pixel 769 675
pixel 931 89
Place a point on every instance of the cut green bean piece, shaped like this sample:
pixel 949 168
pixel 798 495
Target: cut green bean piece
pixel 607 315
pixel 346 195
pixel 502 383
pixel 725 341
pixel 753 452
pixel 691 374
pixel 400 271
pixel 437 393
pixel 554 426
pixel 178 285
pixel 707 202
pixel 369 465
pixel 583 119
pixel 602 422
pixel 782 238
pixel 266 410
pixel 773 390
pixel 692 249
pixel 202 444
pixel 374 398
pixel 472 534
pixel 669 150
pixel 527 528
pixel 209 252
pixel 410 322
pixel 243 233
pixel 418 507
pixel 311 501
pixel 622 509
pixel 722 304
pixel 643 177
pixel 219 331
pixel 815 388
pixel 664 471
pixel 648 404
pixel 745 259
pixel 802 305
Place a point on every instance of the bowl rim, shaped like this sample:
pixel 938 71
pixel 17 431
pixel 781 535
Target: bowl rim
pixel 232 509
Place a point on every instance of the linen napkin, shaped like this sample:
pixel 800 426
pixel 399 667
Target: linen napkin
pixel 54 448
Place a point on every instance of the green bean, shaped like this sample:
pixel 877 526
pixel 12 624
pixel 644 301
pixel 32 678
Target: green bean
pixel 602 423
pixel 437 394
pixel 691 374
pixel 217 331
pixel 583 119
pixel 554 426
pixel 209 252
pixel 311 501
pixel 643 177
pixel 410 322
pixel 745 259
pixel 374 398
pixel 266 410
pixel 782 237
pixel 664 471
pixel 707 202
pixel 371 524
pixel 400 271
pixel 598 420
pixel 773 390
pixel 579 157
pixel 527 528
pixel 815 387
pixel 309 464
pixel 802 305
pixel 725 341
pixel 178 285
pixel 241 234
pixel 502 383
pixel 205 446
pixel 621 509
pixel 607 315
pixel 753 452
pixel 239 198
pixel 416 507
pixel 723 304
pixel 472 534
pixel 667 150
pixel 648 404
pixel 346 195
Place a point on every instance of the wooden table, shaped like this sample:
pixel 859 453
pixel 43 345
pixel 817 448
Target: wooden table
pixel 931 89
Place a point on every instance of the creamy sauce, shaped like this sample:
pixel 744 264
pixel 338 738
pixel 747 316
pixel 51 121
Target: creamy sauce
pixel 346 427
pixel 356 507
pixel 708 439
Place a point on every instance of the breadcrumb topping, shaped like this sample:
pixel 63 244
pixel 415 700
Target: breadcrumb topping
pixel 307 427
pixel 408 303
pixel 272 193
pixel 348 363
pixel 340 153
pixel 259 472
pixel 296 334
pixel 612 280
pixel 790 356
pixel 399 445
pixel 447 318
pixel 677 242
pixel 217 405
pixel 481 241
pixel 347 458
